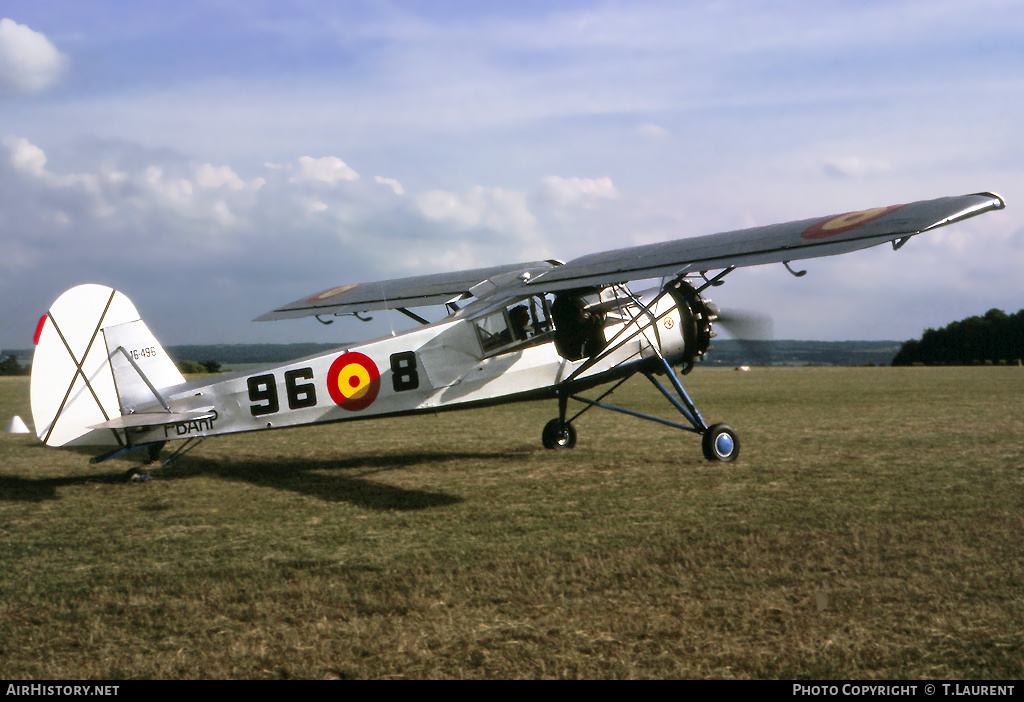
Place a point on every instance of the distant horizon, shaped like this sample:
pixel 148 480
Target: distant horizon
pixel 29 349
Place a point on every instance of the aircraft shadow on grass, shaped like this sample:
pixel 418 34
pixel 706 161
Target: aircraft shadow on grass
pixel 14 488
pixel 332 480
pixel 342 480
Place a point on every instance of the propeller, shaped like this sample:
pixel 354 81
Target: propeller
pixel 746 325
pixel 752 330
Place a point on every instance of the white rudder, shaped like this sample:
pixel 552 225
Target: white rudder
pixel 95 360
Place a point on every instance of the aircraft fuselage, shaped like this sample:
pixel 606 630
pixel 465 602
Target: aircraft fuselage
pixel 451 364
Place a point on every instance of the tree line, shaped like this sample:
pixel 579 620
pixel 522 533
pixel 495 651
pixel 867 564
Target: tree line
pixel 995 337
pixel 9 366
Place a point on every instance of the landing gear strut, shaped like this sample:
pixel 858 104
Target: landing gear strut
pixel 558 433
pixel 718 441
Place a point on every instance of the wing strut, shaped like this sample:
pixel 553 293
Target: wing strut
pixel 713 282
pixel 412 315
pixel 637 326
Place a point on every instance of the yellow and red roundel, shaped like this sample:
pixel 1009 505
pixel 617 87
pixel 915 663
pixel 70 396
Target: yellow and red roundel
pixel 353 381
pixel 331 293
pixel 846 222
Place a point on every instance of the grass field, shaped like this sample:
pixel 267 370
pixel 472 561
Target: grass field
pixel 870 529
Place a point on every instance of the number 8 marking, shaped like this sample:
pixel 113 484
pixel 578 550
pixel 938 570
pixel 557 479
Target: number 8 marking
pixel 404 375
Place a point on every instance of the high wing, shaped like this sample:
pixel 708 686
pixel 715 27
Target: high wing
pixel 417 291
pixel 776 243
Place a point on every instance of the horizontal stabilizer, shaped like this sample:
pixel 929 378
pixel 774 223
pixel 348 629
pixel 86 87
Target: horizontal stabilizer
pixel 156 419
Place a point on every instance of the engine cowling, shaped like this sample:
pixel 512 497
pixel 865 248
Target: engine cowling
pixel 696 315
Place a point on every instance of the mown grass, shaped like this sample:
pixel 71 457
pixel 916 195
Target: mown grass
pixel 871 529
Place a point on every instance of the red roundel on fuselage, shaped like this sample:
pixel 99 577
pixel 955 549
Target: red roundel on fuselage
pixel 846 222
pixel 353 381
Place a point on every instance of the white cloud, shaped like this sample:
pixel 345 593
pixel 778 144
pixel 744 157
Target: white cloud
pixel 29 159
pixel 165 188
pixel 329 169
pixel 501 210
pixel 854 166
pixel 507 211
pixel 392 183
pixel 571 191
pixel 176 192
pixel 652 131
pixel 122 195
pixel 29 63
pixel 210 209
pixel 209 176
pixel 439 205
pixel 222 214
pixel 26 156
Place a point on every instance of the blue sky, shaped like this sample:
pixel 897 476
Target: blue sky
pixel 214 160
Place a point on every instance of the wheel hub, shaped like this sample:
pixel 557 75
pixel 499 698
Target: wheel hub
pixel 724 445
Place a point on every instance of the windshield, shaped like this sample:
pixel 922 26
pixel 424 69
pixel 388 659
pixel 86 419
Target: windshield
pixel 516 324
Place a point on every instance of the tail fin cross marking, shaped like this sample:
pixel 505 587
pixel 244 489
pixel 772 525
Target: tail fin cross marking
pixel 78 370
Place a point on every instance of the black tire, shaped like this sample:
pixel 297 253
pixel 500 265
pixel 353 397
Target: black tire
pixel 720 443
pixel 558 435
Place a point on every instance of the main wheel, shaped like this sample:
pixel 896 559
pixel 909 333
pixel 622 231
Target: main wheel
pixel 720 443
pixel 558 435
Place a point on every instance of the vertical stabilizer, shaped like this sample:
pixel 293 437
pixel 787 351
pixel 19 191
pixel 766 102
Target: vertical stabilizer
pixel 95 359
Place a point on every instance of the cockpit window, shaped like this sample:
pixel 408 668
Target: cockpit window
pixel 518 324
pixel 493 331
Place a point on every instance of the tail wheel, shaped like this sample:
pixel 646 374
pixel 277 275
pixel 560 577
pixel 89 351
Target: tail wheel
pixel 135 475
pixel 720 443
pixel 558 435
